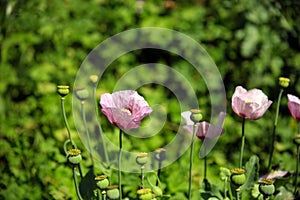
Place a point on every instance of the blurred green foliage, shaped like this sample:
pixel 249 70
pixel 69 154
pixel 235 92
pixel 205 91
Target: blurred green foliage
pixel 43 44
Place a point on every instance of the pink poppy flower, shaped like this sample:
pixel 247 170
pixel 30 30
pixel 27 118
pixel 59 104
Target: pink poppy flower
pixel 294 106
pixel 124 109
pixel 251 104
pixel 204 129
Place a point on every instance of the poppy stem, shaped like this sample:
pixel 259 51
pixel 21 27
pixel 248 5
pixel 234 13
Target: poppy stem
pixel 297 169
pixel 119 163
pixel 66 122
pixel 243 143
pixel 76 184
pixel 191 162
pixel 274 130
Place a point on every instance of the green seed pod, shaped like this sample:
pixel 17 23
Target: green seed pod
pixel 63 90
pixel 102 182
pixel 160 154
pixel 74 156
pixel 144 194
pixel 238 177
pixel 82 93
pixel 157 191
pixel 284 82
pixel 94 79
pixel 266 187
pixel 142 158
pixel 196 115
pixel 113 192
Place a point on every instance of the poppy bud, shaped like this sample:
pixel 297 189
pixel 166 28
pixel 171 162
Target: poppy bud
pixel 238 177
pixel 144 194
pixel 141 158
pixel 82 93
pixel 160 154
pixel 63 90
pixel 284 82
pixel 102 182
pixel 266 187
pixel 113 192
pixel 74 156
pixel 196 115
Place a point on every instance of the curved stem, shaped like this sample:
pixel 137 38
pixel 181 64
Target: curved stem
pixel 191 162
pixel 76 185
pixel 243 143
pixel 297 169
pixel 119 164
pixel 87 132
pixel 274 130
pixel 66 122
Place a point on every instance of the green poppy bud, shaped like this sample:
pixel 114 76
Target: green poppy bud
pixel 141 158
pixel 160 154
pixel 82 93
pixel 63 90
pixel 74 156
pixel 196 115
pixel 266 187
pixel 102 182
pixel 238 177
pixel 113 192
pixel 284 82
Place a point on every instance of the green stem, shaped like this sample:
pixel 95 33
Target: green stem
pixel 158 172
pixel 274 130
pixel 238 194
pixel 66 122
pixel 225 188
pixel 142 176
pixel 243 143
pixel 119 163
pixel 297 169
pixel 76 185
pixel 99 195
pixel 104 195
pixel 205 167
pixel 87 132
pixel 191 162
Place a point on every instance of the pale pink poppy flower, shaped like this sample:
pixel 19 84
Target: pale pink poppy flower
pixel 124 109
pixel 294 106
pixel 204 129
pixel 251 104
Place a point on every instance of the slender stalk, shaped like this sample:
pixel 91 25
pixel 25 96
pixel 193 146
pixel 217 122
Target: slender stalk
pixel 104 195
pixel 76 185
pixel 205 167
pixel 274 130
pixel 238 194
pixel 142 176
pixel 119 163
pixel 66 122
pixel 191 162
pixel 225 188
pixel 158 172
pixel 243 143
pixel 99 195
pixel 87 132
pixel 297 169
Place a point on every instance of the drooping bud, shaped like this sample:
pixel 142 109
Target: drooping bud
pixel 102 182
pixel 82 93
pixel 266 187
pixel 63 90
pixel 74 156
pixel 284 82
pixel 141 158
pixel 196 115
pixel 113 192
pixel 160 154
pixel 238 177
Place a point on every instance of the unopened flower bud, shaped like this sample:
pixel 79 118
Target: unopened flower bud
pixel 284 82
pixel 144 194
pixel 74 156
pixel 196 115
pixel 63 90
pixel 141 158
pixel 296 139
pixel 102 182
pixel 238 177
pixel 82 93
pixel 160 154
pixel 113 192
pixel 266 187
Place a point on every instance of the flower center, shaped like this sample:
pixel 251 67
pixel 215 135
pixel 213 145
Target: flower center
pixel 248 101
pixel 126 110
